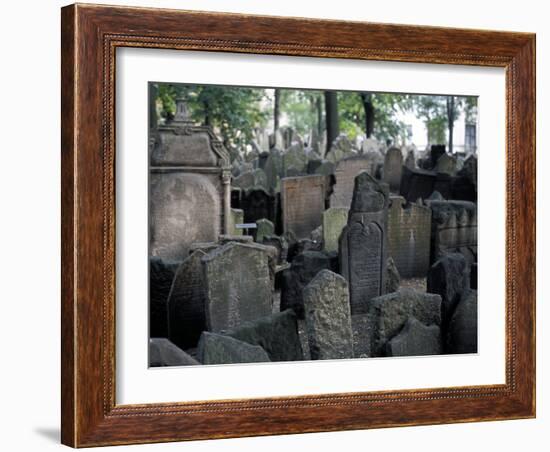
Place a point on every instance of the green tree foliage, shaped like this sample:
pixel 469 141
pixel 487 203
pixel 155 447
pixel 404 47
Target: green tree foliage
pixel 234 112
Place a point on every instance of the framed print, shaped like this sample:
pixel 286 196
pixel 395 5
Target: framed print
pixel 281 225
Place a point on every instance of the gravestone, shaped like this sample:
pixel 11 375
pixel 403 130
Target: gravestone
pixel 387 315
pixel 273 170
pixel 278 242
pixel 417 183
pixel 371 145
pixel 410 161
pixel 251 179
pixel 462 330
pixel 164 353
pixel 189 189
pixel 295 160
pixel 334 221
pixel 393 168
pixel 220 349
pixel 454 228
pixel 276 334
pixel 186 303
pixel 446 164
pixel 258 203
pixel 237 217
pixel 450 278
pixel 326 168
pixel 393 279
pixel 328 317
pixel 415 339
pixel 362 245
pixel 303 203
pixel 161 275
pixel 436 151
pixel 340 149
pixel 409 231
pixel 264 227
pixel 237 285
pixel 345 172
pixel 303 269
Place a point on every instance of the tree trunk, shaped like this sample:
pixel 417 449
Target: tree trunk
pixel 276 109
pixel 153 92
pixel 369 113
pixel 331 107
pixel 451 120
pixel 319 105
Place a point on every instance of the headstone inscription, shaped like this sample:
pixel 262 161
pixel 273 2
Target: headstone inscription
pixel 189 187
pixel 409 229
pixel 345 172
pixel 363 242
pixel 303 203
pixel 237 285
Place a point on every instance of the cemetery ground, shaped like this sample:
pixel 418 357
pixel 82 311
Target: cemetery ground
pixel 295 250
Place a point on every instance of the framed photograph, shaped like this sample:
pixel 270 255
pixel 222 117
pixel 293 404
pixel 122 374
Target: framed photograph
pixel 281 225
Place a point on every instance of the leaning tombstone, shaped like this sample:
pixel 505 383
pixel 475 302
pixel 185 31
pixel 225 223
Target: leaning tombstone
pixel 363 242
pixel 237 285
pixel 189 198
pixel 415 339
pixel 328 317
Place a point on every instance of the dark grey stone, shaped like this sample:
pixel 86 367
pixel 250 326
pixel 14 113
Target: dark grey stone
pixel 388 314
pixel 462 330
pixel 450 278
pixel 415 339
pixel 303 269
pixel 161 275
pixel 220 349
pixel 392 276
pixel 163 353
pixel 368 194
pixel 328 316
pixel 264 227
pixel 277 334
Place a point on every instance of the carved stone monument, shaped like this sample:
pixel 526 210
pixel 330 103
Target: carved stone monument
pixel 303 203
pixel 190 189
pixel 393 168
pixel 409 227
pixel 363 242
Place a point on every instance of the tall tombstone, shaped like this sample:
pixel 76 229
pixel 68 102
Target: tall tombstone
pixel 303 203
pixel 409 230
pixel 363 242
pixel 345 172
pixel 237 285
pixel 393 168
pixel 334 221
pixel 189 190
pixel 186 310
pixel 273 169
pixel 295 160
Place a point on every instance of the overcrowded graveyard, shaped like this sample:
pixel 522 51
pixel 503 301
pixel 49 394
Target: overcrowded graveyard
pixel 295 250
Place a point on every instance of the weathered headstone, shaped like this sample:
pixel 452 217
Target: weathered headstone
pixel 334 221
pixel 303 203
pixel 410 161
pixel 280 243
pixel 303 269
pixel 362 245
pixel 388 314
pixel 220 349
pixel 409 231
pixel 415 339
pixel 189 187
pixel 258 203
pixel 276 334
pixel 186 303
pixel 340 148
pixel 164 353
pixel 393 279
pixel 264 227
pixel 462 330
pixel 273 170
pixel 345 172
pixel 446 164
pixel 295 160
pixel 328 317
pixel 393 168
pixel 454 228
pixel 238 285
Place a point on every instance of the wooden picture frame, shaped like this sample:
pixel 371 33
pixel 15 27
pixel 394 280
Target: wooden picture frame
pixel 90 36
